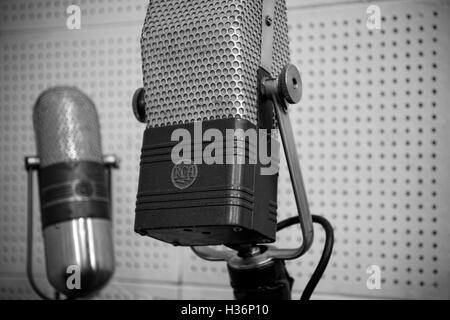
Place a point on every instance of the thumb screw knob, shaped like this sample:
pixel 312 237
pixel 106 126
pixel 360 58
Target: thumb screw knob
pixel 290 84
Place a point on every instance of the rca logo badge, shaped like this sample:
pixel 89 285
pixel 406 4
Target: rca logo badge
pixel 184 174
pixel 74 280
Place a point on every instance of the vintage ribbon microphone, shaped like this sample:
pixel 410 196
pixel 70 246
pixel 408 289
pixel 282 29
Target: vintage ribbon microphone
pixel 75 194
pixel 224 64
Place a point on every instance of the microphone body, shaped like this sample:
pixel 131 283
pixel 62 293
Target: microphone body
pixel 210 68
pixel 202 62
pixel 74 199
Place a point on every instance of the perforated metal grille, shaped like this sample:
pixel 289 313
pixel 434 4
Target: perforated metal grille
pixel 200 59
pixel 66 126
pixel 280 52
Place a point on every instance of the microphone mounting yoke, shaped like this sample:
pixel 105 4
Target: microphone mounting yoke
pixel 279 92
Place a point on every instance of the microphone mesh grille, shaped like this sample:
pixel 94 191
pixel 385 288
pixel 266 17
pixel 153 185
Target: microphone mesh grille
pixel 200 59
pixel 66 126
pixel 280 51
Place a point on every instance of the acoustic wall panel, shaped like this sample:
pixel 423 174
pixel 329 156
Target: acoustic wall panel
pixel 17 288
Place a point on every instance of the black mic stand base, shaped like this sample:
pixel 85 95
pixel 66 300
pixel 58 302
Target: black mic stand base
pixel 268 281
pixel 32 163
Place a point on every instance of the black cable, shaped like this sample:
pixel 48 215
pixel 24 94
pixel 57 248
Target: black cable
pixel 326 254
pixel 30 241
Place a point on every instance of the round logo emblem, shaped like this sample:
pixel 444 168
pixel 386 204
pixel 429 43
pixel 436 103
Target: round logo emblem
pixel 84 189
pixel 184 174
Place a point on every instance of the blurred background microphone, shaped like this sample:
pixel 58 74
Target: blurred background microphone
pixel 74 189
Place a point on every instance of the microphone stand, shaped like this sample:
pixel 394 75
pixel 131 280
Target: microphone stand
pixel 32 163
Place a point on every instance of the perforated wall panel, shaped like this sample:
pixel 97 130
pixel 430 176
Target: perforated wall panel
pixel 372 137
pixel 371 132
